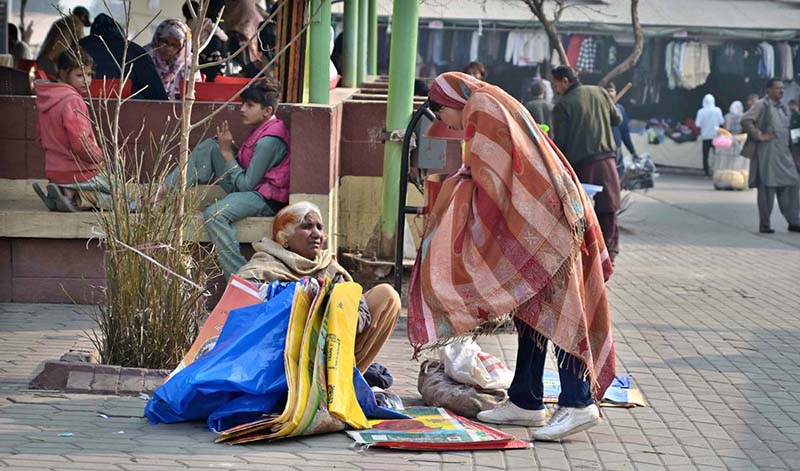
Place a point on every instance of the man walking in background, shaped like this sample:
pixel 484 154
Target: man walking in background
pixel 582 129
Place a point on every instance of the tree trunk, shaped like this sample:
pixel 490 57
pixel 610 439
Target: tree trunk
pixel 25 31
pixel 187 103
pixel 537 7
pixel 555 41
pixel 638 47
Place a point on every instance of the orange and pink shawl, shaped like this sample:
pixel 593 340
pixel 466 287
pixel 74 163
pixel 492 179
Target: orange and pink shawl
pixel 515 235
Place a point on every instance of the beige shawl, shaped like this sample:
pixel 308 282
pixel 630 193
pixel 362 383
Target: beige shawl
pixel 272 262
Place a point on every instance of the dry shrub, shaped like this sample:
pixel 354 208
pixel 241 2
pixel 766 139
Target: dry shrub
pixel 151 308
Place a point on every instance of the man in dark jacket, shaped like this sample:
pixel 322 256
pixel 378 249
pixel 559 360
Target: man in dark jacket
pixel 541 111
pixel 582 128
pixel 144 76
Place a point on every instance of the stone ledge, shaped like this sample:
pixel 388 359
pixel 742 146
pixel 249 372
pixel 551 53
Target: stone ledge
pixel 30 219
pixel 88 378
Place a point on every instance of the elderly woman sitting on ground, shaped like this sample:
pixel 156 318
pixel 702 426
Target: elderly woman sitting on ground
pixel 297 249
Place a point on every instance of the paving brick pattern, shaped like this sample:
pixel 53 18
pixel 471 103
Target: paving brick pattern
pixel 705 318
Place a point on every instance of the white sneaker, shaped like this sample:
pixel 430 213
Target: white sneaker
pixel 509 414
pixel 568 420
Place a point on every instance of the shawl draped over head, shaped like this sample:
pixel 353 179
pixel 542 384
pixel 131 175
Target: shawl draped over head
pixel 515 235
pixel 176 69
pixel 274 262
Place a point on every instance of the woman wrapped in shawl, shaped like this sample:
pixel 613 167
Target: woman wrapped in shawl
pixel 514 234
pixel 171 51
pixel 297 249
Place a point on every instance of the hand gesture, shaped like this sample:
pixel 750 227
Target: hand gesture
pixel 767 136
pixel 224 138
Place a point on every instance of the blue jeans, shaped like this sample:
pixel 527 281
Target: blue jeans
pixel 527 389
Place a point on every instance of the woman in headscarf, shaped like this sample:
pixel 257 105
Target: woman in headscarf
pixel 106 45
pixel 171 51
pixel 733 120
pixel 297 249
pixel 514 234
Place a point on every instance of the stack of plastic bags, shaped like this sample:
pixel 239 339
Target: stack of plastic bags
pixel 731 170
pixel 281 368
pixel 464 380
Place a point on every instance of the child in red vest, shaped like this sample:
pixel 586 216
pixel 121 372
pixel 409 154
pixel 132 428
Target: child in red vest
pixel 257 180
pixel 73 160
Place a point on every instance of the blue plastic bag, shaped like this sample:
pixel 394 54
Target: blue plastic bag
pixel 242 377
pixel 366 399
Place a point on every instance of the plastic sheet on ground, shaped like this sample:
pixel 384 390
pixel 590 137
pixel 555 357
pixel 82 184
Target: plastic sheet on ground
pixel 619 394
pixel 434 429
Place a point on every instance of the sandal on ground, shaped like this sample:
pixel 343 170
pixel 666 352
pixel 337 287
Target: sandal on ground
pixel 50 203
pixel 63 203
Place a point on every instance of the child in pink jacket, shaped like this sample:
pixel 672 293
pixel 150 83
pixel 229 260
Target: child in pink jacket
pixel 73 160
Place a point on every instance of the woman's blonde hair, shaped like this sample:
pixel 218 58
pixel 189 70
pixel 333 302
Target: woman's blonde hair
pixel 288 218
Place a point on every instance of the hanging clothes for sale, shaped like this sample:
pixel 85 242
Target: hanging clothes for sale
pixel 730 59
pixel 752 59
pixel 527 47
pixel 796 60
pixel 687 64
pixel 766 67
pixel 786 61
pixel 574 48
pixel 673 63
pixel 702 65
pixel 459 50
pixel 436 52
pixel 587 55
pixel 474 46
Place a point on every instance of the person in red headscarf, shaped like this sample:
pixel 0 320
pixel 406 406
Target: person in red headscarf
pixel 513 234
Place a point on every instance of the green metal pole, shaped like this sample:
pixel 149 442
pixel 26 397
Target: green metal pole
pixel 319 61
pixel 372 49
pixel 363 18
pixel 402 64
pixel 350 59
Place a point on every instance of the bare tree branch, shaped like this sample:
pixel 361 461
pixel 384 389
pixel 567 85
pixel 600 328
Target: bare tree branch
pixel 537 7
pixel 638 47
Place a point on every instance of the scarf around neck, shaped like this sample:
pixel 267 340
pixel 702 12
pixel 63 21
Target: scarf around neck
pixel 272 262
pixel 171 72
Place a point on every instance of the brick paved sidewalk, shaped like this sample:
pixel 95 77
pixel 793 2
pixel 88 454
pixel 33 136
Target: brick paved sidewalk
pixel 706 321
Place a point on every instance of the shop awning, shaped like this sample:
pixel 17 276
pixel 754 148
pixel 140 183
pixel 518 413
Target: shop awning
pixel 745 19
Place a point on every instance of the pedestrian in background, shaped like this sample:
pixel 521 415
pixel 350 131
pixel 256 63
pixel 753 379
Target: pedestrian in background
pixel 107 46
pixel 709 119
pixel 476 69
pixel 63 35
pixel 582 122
pixel 794 127
pixel 772 169
pixel 733 120
pixel 622 134
pixel 541 111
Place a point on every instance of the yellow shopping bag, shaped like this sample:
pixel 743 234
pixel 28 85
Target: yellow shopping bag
pixel 342 324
